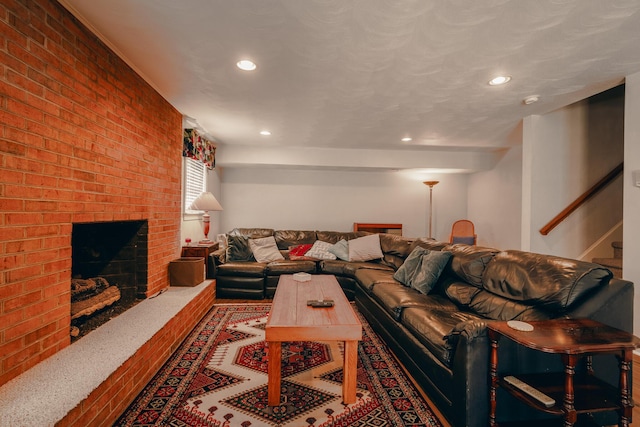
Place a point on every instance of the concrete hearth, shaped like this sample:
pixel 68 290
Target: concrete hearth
pixel 92 381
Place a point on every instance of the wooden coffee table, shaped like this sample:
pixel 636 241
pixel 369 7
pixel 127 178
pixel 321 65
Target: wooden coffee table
pixel 291 319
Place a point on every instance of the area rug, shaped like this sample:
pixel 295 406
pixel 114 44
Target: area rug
pixel 218 377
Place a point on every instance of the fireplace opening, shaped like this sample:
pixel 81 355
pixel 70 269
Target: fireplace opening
pixel 108 270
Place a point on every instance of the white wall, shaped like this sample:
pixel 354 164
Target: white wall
pixel 495 202
pixel 565 153
pixel 334 200
pixel 631 231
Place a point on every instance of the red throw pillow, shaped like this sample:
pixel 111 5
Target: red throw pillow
pixel 297 252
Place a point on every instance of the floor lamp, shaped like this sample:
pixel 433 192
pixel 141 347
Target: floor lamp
pixel 430 184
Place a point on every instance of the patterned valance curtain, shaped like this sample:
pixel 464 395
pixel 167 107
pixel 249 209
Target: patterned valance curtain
pixel 197 147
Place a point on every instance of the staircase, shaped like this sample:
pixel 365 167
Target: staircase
pixel 614 264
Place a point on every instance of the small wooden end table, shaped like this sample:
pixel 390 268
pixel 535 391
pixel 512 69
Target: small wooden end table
pixel 290 319
pixel 201 250
pixel 573 339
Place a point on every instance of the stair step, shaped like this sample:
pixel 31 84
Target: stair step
pixel 609 262
pixel 613 264
pixel 617 249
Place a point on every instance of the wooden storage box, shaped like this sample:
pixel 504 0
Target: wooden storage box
pixel 187 271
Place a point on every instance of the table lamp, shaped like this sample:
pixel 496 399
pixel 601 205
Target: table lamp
pixel 205 202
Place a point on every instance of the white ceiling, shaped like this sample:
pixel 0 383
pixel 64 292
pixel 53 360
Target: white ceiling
pixel 335 77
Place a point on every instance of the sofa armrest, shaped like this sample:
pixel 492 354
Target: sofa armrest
pixel 611 304
pixel 470 368
pixel 216 258
pixel 471 329
pixel 219 256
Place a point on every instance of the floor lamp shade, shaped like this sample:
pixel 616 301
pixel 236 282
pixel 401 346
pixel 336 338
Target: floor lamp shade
pixel 205 202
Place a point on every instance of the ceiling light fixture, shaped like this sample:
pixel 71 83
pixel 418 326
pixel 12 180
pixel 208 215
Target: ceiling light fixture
pixel 406 139
pixel 265 133
pixel 531 99
pixel 246 65
pixel 499 80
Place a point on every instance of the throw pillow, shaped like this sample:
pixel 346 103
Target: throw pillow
pixel 320 250
pixel 423 269
pixel 410 266
pixel 432 266
pixel 298 252
pixel 341 250
pixel 265 249
pixel 238 249
pixel 365 248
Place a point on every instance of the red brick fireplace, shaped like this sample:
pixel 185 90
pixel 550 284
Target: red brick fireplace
pixel 108 271
pixel 83 139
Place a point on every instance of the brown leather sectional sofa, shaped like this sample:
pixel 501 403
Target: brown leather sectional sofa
pixel 441 337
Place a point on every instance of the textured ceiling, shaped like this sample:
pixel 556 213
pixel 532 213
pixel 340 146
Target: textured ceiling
pixel 364 74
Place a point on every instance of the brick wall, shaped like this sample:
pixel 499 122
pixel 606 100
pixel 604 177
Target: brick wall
pixel 82 138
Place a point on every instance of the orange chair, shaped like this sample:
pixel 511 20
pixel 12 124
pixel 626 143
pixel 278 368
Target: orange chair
pixel 463 231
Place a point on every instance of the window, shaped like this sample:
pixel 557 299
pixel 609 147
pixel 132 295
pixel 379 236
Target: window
pixel 195 173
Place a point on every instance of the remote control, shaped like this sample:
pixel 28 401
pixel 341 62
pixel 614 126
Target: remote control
pixel 320 303
pixel 533 392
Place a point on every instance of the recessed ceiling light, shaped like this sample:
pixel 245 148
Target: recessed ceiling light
pixel 265 133
pixel 246 65
pixel 499 80
pixel 531 99
pixel 406 139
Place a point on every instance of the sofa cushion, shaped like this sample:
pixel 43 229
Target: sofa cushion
pixel 335 267
pixel 238 248
pixel 368 278
pixel 320 250
pixel 287 238
pixel 365 248
pixel 351 268
pixel 277 268
pixel 432 326
pixel 469 262
pixel 460 292
pixel 422 268
pixel 498 308
pixel 336 236
pixel 340 250
pixel 425 242
pixel 344 268
pixel 545 280
pixel 298 252
pixel 265 249
pixel 244 269
pixel 252 233
pixel 394 249
pixel 394 298
pixel 396 245
pixel 392 261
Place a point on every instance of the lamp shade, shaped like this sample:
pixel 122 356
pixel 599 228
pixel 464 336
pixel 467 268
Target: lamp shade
pixel 205 202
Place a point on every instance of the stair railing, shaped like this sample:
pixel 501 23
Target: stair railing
pixel 606 180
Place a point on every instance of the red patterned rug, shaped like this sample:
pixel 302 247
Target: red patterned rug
pixel 218 377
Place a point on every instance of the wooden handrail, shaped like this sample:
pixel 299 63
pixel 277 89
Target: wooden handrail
pixel 582 199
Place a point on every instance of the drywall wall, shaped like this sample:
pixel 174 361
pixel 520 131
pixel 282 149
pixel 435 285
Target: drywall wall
pixel 334 200
pixel 495 202
pixel 631 229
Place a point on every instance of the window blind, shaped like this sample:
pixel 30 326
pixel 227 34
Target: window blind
pixel 194 181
